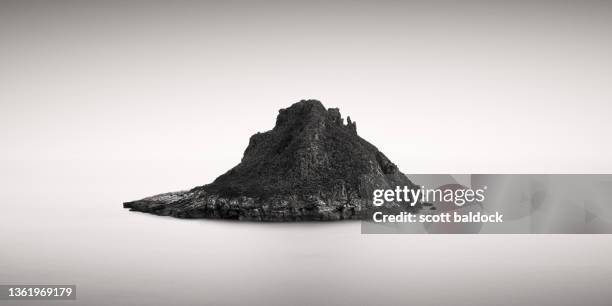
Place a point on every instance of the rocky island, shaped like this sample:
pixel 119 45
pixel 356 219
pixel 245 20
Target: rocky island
pixel 310 167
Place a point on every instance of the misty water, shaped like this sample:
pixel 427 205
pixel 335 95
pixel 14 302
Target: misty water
pixel 63 223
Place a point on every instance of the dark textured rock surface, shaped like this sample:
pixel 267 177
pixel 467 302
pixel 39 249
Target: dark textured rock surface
pixel 310 166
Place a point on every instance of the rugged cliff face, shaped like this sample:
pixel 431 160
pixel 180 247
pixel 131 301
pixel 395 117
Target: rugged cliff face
pixel 310 166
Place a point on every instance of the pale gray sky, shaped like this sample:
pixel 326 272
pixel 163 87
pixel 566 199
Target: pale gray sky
pixel 442 87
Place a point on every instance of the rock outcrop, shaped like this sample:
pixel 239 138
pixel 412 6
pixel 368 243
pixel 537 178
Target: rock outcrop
pixel 310 166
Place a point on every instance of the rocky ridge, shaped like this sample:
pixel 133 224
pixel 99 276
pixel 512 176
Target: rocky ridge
pixel 310 166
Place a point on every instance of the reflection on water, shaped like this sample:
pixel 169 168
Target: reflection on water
pixel 63 223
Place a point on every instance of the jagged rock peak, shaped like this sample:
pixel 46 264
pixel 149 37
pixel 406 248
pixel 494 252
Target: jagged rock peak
pixel 310 111
pixel 309 150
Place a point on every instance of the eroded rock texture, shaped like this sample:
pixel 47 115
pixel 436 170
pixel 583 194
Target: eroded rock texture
pixel 310 166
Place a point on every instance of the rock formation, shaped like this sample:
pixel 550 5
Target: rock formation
pixel 310 166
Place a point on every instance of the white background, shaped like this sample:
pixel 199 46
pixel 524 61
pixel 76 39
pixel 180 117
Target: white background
pixel 105 102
